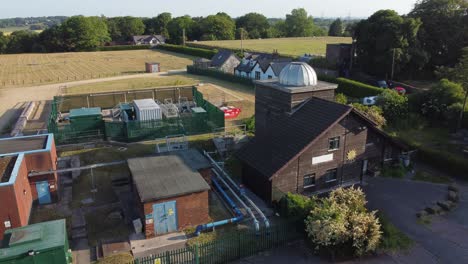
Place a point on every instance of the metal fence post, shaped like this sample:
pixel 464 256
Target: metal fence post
pixel 197 256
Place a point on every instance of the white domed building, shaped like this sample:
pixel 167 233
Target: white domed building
pixel 307 143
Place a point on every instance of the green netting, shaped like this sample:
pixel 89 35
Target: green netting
pixel 89 129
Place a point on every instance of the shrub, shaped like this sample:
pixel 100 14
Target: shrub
pixel 250 124
pixel 394 105
pixel 374 113
pixel 341 224
pixel 394 171
pixel 321 62
pixel 124 47
pixel 296 205
pixel 341 98
pixel 220 75
pixel 356 89
pixel 197 52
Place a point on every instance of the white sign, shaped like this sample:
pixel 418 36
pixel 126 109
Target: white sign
pixel 7 224
pixel 149 221
pixel 322 159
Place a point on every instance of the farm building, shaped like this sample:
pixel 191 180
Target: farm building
pixel 152 67
pixel 225 61
pixel 171 190
pixel 307 143
pixel 19 156
pixel 45 242
pixel 202 63
pixel 152 40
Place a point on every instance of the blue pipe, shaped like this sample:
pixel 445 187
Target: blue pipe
pixel 239 215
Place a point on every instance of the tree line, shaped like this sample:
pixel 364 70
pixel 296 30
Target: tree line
pixel 80 33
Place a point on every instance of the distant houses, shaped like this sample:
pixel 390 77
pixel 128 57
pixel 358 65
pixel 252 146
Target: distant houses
pixel 261 66
pixel 225 61
pixel 152 40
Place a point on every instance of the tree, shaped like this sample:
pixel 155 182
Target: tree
pixel 461 76
pixel 22 41
pixel 161 23
pixel 444 29
pixel 341 224
pixel 394 105
pixel 299 24
pixel 3 43
pixel 84 33
pixel 218 27
pixel 277 30
pixel 255 24
pixel 373 112
pixel 336 28
pixel 350 30
pixel 52 39
pixel 439 102
pixel 123 28
pixel 383 37
pixel 176 27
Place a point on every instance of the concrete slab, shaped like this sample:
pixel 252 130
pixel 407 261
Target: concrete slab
pixel 81 252
pixel 153 246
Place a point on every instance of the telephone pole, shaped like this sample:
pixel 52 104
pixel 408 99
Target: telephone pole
pixel 393 64
pixel 183 36
pixel 242 39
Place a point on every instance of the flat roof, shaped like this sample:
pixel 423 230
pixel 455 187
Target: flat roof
pixel 81 112
pixel 274 83
pixel 165 176
pixel 145 104
pixel 7 164
pixel 38 237
pixel 15 145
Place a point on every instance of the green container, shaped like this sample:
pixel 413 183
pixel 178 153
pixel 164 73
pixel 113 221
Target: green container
pixel 43 243
pixel 86 119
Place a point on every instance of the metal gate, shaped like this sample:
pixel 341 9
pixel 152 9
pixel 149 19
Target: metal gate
pixel 43 192
pixel 165 217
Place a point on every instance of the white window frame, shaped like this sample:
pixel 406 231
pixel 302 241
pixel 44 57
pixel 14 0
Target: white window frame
pixel 310 175
pixel 339 143
pixel 332 180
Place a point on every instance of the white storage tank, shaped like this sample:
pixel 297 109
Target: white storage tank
pixel 147 109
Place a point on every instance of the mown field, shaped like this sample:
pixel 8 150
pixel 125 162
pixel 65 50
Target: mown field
pixel 37 69
pixel 287 46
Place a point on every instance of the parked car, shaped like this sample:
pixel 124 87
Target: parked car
pixel 400 90
pixel 382 84
pixel 371 100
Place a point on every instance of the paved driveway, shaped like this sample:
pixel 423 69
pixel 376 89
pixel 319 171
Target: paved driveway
pixel 445 240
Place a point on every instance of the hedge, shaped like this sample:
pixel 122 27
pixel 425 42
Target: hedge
pixel 356 89
pixel 124 47
pixel 220 75
pixel 197 52
pixel 235 50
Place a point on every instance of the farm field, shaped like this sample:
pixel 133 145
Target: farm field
pixel 8 30
pixel 37 69
pixel 286 46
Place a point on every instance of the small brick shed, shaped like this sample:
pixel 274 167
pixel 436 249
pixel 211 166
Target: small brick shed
pixel 19 156
pixel 171 192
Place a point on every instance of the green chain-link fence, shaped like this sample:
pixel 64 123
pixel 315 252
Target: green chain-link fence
pixel 131 131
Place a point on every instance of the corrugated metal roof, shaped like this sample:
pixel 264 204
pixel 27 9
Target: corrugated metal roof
pixel 82 112
pixel 145 104
pixel 167 176
pixel 37 237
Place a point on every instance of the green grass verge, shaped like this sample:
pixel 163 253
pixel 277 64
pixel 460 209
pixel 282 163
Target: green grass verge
pixel 429 177
pixel 392 238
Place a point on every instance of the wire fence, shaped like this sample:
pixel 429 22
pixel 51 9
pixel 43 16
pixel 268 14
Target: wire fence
pixel 131 131
pixel 229 248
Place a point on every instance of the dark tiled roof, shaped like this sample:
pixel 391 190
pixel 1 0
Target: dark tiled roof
pixel 168 176
pixel 278 66
pixel 245 67
pixel 291 134
pixel 148 38
pixel 220 58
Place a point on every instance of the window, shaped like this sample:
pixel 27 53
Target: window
pixel 270 77
pixel 309 180
pixel 334 143
pixel 257 75
pixel 331 175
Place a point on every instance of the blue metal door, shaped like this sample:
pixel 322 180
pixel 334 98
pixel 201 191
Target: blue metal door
pixel 43 193
pixel 165 217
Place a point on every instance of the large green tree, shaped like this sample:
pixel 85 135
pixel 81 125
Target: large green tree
pixel 52 39
pixel 161 23
pixel 123 28
pixel 84 33
pixel 336 28
pixel 22 41
pixel 385 36
pixel 218 27
pixel 3 43
pixel 444 30
pixel 299 24
pixel 176 27
pixel 255 24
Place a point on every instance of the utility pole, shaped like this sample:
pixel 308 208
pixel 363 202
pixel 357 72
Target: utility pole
pixel 183 36
pixel 242 39
pixel 393 64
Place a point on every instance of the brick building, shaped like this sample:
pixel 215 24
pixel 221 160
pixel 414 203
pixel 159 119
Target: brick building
pixel 171 192
pixel 307 143
pixel 19 156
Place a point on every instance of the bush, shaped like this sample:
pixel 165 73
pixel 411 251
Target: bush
pixel 374 113
pixel 250 124
pixel 394 105
pixel 296 206
pixel 124 47
pixel 394 171
pixel 220 75
pixel 356 89
pixel 341 98
pixel 321 62
pixel 341 225
pixel 197 52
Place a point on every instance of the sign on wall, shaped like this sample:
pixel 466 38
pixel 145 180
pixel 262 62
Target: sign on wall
pixel 322 159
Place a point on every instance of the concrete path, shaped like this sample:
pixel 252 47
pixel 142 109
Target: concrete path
pixel 153 246
pixel 445 239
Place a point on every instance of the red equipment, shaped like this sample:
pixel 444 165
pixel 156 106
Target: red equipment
pixel 230 112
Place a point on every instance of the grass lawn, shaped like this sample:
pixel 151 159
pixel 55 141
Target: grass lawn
pixel 392 238
pixel 132 84
pixel 36 69
pixel 431 177
pixel 101 226
pixel 287 46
